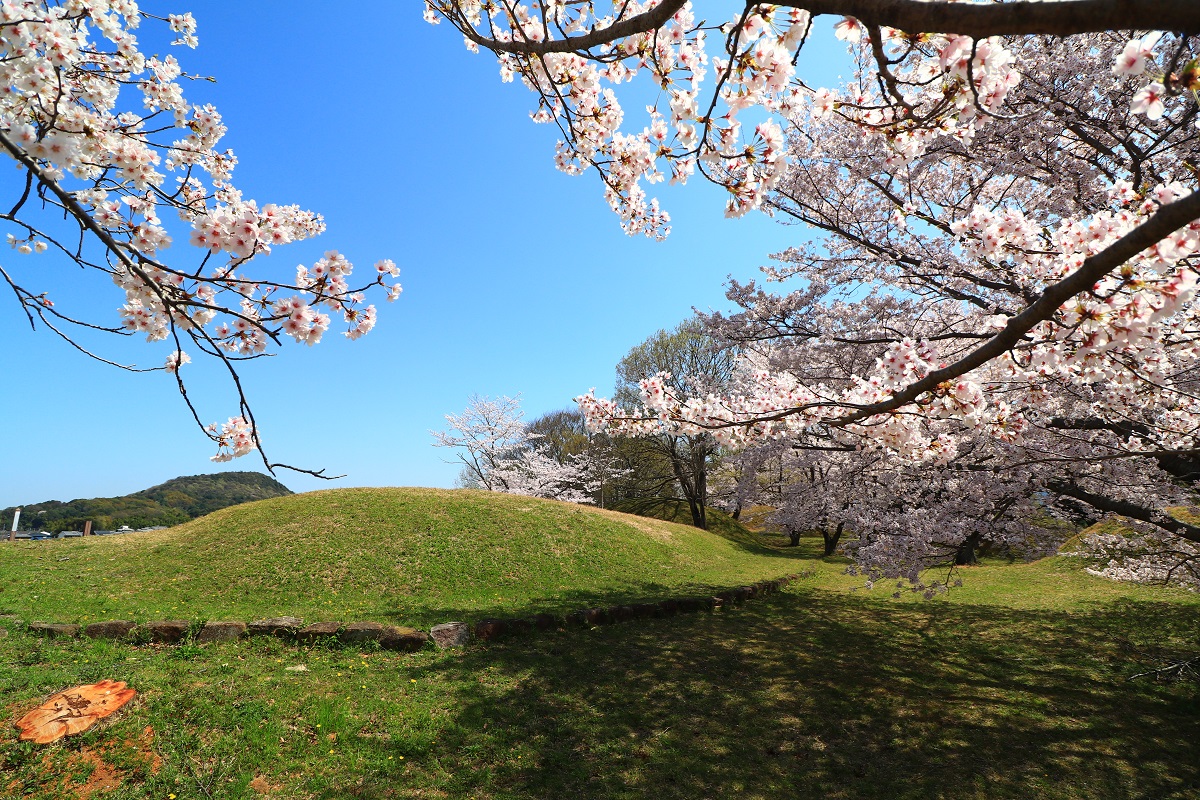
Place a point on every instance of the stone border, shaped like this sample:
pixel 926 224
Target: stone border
pixel 394 637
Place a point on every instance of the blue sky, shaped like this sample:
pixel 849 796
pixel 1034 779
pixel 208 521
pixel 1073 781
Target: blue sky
pixel 517 278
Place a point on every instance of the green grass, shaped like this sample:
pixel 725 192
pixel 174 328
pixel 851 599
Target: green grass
pixel 413 556
pixel 1015 686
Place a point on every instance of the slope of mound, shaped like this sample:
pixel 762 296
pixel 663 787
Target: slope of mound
pixel 415 555
pixel 1121 526
pixel 673 509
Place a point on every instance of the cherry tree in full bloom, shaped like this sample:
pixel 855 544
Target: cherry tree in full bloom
pixel 1006 196
pixel 108 151
pixel 500 452
pixel 932 76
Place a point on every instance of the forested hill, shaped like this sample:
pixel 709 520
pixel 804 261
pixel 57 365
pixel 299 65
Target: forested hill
pixel 169 503
pixel 197 495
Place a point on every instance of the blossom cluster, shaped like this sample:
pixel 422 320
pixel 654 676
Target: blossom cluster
pixel 924 262
pixel 109 134
pixel 1142 555
pixel 1126 316
pixel 913 90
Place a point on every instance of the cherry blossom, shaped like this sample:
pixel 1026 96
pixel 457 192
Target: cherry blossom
pixel 1149 101
pixel 918 85
pixel 106 138
pixel 500 453
pixel 875 360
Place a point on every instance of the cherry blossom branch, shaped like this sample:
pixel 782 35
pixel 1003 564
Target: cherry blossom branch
pixel 978 20
pixel 1168 219
pixel 1127 509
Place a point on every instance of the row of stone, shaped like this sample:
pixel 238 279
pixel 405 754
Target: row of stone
pixel 394 637
pixel 173 631
pixel 487 629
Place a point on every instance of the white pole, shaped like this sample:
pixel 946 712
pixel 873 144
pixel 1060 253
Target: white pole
pixel 16 518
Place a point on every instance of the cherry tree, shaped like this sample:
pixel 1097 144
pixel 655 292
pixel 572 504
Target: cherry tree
pixel 1010 223
pixel 696 363
pixel 928 255
pixel 501 453
pixel 916 91
pixel 108 150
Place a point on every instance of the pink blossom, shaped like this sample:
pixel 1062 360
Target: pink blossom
pixel 1149 101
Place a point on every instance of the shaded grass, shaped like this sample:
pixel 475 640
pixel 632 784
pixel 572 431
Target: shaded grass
pixel 807 695
pixel 405 555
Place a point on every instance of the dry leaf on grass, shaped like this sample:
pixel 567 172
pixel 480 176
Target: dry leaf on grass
pixel 73 710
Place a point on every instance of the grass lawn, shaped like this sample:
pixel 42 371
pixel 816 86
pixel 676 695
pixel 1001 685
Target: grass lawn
pixel 1016 686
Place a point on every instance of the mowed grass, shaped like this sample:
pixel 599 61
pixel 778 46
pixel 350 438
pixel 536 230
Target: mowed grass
pixel 414 556
pixel 1018 685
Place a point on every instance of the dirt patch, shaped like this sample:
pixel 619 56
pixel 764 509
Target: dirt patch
pixel 104 776
pixel 262 786
pixel 145 747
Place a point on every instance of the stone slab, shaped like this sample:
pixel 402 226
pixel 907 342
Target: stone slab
pixel 164 631
pixel 221 632
pixel 54 629
pixel 318 630
pixel 361 633
pixel 450 634
pixel 275 626
pixel 109 629
pixel 544 622
pixel 488 629
pixel 395 637
pixel 596 616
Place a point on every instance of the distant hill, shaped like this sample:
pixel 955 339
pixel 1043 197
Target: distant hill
pixel 197 495
pixel 178 500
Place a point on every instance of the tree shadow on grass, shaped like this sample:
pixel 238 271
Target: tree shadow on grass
pixel 811 695
pixel 429 611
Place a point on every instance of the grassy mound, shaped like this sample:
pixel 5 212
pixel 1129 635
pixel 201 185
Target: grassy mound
pixel 411 555
pixel 1121 526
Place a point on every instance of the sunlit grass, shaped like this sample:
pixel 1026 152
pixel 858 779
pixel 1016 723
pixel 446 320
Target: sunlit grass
pixel 809 694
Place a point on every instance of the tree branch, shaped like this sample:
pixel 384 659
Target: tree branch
pixel 1163 223
pixel 1126 509
pixel 978 20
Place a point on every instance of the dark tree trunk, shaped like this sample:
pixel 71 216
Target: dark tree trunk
pixel 965 556
pixel 737 510
pixel 691 473
pixel 793 537
pixel 832 539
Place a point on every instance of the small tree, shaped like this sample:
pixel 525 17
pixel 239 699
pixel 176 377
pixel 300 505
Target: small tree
pixel 501 453
pixel 487 435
